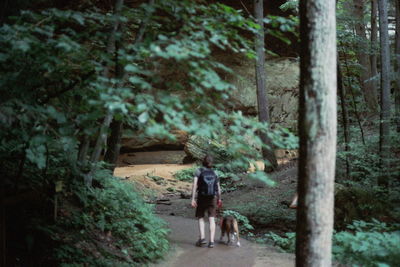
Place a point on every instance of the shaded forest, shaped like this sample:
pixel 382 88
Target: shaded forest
pixel 85 84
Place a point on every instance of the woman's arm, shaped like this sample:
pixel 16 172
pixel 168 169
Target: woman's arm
pixel 219 191
pixel 194 189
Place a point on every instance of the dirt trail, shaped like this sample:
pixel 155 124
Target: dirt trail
pixel 162 170
pixel 184 234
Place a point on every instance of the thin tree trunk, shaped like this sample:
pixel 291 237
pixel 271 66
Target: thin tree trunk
pixel 263 114
pixel 344 117
pixel 397 52
pixel 370 93
pixel 114 141
pixel 102 137
pixel 113 35
pixel 83 151
pixel 384 145
pixel 374 44
pixel 353 100
pixel 317 130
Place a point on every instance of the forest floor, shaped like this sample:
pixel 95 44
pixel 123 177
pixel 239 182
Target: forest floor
pixel 266 207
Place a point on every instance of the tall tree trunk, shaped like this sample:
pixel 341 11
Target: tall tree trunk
pixel 317 130
pixel 345 119
pixel 397 52
pixel 374 44
pixel 102 137
pixel 384 145
pixel 370 93
pixel 263 114
pixel 114 141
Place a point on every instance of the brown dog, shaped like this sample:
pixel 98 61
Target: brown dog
pixel 229 226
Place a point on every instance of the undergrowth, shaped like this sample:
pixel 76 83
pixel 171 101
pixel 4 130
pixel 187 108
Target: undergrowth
pixel 372 244
pixel 107 225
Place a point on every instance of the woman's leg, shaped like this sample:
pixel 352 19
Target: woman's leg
pixel 212 228
pixel 201 227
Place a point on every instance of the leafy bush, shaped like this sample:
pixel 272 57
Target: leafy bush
pixel 116 211
pixel 186 174
pixel 244 223
pixel 371 244
pixel 287 243
pixel 365 244
pixel 363 200
pixel 365 158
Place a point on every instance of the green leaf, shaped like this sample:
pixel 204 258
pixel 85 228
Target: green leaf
pixel 143 118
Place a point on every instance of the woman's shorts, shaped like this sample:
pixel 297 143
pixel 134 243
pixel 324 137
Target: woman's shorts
pixel 208 204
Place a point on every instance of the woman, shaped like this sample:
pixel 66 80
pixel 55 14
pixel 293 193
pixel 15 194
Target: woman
pixel 206 185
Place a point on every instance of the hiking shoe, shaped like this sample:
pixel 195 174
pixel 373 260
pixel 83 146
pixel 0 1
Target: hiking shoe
pixel 201 242
pixel 211 244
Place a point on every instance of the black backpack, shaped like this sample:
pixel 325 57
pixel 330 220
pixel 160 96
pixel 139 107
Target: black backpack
pixel 207 183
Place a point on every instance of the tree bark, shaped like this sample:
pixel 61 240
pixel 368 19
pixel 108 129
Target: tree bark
pixel 397 70
pixel 263 114
pixel 370 93
pixel 114 143
pixel 345 119
pixel 317 130
pixel 374 44
pixel 384 145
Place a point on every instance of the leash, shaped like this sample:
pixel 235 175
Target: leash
pixel 219 213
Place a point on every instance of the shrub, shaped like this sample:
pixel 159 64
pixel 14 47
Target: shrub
pixel 185 175
pixel 363 200
pixel 286 243
pixel 371 244
pixel 365 244
pixel 113 210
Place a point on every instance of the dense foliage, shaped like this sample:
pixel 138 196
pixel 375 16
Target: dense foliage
pixel 113 212
pixel 66 73
pixel 364 244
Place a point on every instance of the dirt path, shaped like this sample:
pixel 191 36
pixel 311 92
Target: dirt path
pixel 184 234
pixel 184 231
